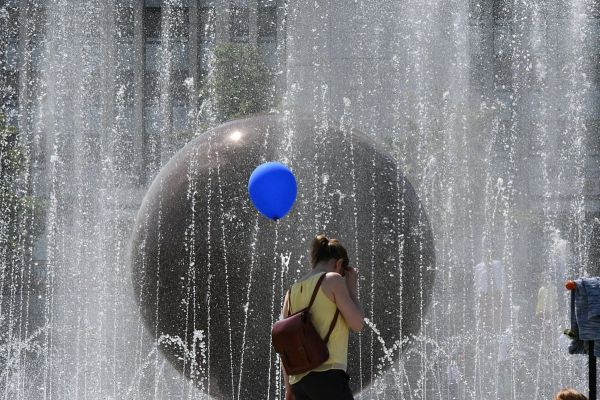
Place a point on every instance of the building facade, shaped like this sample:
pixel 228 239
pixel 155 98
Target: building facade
pixel 162 52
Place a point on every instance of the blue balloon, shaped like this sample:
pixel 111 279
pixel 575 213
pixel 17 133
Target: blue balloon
pixel 272 188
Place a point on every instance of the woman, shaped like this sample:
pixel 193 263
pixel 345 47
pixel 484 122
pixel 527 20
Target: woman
pixel 569 394
pixel 338 290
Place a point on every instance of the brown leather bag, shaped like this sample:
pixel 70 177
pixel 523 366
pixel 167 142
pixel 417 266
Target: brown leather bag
pixel 298 343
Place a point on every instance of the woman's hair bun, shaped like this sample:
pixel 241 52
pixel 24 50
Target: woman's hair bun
pixel 319 249
pixel 324 249
pixel 323 241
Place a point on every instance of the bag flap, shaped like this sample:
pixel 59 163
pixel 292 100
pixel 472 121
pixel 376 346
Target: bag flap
pixel 284 331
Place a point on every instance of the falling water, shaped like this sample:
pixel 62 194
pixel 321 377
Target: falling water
pixel 489 108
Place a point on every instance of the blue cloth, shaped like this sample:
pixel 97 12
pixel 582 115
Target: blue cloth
pixel 577 345
pixel 585 314
pixel 587 303
pixel 592 289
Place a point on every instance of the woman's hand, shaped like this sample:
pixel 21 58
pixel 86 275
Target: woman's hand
pixel 351 279
pixel 345 294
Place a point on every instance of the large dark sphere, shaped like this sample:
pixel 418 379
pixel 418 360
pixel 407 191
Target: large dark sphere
pixel 210 273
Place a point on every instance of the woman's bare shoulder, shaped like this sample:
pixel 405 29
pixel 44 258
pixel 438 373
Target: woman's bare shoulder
pixel 306 276
pixel 333 279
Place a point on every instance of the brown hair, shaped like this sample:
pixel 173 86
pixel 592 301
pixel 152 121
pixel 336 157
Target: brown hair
pixel 324 249
pixel 569 394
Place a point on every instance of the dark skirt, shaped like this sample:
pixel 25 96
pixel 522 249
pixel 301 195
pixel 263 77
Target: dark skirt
pixel 332 384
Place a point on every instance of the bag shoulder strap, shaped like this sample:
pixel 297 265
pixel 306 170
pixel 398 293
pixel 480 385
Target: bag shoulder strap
pixel 312 299
pixel 317 286
pixel 335 317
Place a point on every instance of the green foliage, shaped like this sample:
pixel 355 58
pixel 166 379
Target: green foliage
pixel 20 222
pixel 16 206
pixel 183 136
pixel 240 83
pixel 12 159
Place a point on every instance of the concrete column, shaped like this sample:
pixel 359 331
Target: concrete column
pixel 110 72
pixel 281 46
pixel 222 11
pixel 165 80
pixel 138 87
pixel 24 68
pixel 252 22
pixel 193 54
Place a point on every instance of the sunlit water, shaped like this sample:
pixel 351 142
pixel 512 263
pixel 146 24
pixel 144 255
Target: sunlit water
pixel 486 108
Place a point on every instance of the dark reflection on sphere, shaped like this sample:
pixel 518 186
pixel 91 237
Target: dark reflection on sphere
pixel 210 273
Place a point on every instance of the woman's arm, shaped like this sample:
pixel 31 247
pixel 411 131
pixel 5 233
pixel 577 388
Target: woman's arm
pixel 289 395
pixel 346 299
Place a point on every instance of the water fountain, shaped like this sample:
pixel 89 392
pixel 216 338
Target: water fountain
pixel 207 265
pixel 489 108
